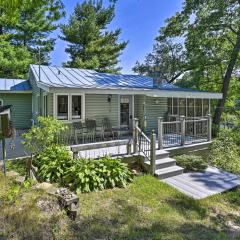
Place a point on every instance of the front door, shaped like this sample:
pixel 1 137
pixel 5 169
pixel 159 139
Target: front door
pixel 126 112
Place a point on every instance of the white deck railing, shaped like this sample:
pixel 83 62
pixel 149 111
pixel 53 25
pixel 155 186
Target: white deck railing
pixel 184 131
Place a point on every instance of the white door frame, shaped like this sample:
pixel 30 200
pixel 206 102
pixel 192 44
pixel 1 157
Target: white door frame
pixel 131 109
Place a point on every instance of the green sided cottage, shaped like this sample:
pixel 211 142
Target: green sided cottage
pixel 107 110
pixel 77 95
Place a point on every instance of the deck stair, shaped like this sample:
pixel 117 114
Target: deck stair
pixel 165 166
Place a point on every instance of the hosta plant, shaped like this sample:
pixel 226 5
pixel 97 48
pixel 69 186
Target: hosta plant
pixel 87 175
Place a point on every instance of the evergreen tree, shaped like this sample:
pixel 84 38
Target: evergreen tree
pixel 25 26
pixel 14 60
pixel 91 46
pixel 36 21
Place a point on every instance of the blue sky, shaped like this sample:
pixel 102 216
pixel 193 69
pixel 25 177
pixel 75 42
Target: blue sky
pixel 140 21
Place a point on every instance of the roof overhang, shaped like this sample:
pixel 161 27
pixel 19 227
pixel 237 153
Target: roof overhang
pixel 9 91
pixel 147 92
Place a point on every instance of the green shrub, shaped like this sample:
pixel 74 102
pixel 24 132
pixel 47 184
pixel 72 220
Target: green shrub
pixel 191 162
pixel 91 175
pixel 225 153
pixel 44 134
pixel 52 163
pixel 19 166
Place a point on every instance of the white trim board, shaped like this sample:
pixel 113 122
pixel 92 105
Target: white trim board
pixel 147 92
pixel 70 119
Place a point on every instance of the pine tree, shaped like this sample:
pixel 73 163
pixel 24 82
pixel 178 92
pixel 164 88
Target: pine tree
pixel 14 60
pixel 25 26
pixel 91 46
pixel 37 20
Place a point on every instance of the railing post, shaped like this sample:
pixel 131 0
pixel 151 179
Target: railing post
pixel 153 152
pixel 129 148
pixel 160 133
pixel 135 135
pixel 183 129
pixel 209 128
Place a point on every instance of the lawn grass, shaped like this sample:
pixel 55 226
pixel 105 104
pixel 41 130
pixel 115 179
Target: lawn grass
pixel 146 209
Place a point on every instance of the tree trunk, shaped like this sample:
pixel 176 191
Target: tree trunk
pixel 226 81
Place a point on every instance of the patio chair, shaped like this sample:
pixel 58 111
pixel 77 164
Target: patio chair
pixel 107 128
pixel 92 131
pixel 66 136
pixel 78 131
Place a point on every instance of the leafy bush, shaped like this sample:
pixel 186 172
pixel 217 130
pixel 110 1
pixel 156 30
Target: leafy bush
pixel 19 166
pixel 225 153
pixel 191 162
pixel 52 163
pixel 91 175
pixel 44 134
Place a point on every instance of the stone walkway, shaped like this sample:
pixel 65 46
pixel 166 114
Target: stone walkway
pixel 199 185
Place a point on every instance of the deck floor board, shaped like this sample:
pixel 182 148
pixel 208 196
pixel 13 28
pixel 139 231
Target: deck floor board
pixel 199 185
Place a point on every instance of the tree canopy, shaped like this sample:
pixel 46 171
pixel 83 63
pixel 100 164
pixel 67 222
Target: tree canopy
pixel 90 44
pixel 25 27
pixel 209 35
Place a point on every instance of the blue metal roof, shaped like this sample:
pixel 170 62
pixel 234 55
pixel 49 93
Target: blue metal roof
pixel 74 77
pixel 14 85
pixel 82 78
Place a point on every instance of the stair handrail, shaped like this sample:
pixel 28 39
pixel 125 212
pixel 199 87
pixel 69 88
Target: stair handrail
pixel 145 145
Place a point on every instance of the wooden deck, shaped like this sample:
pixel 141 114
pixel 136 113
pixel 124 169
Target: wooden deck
pixel 199 185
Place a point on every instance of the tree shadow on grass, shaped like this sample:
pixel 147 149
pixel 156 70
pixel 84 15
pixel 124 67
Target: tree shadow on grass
pixel 129 222
pixel 186 206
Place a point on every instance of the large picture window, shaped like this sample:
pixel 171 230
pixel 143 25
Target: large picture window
pixel 76 107
pixel 62 107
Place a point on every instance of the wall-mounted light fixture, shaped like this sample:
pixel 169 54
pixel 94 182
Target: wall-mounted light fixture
pixel 109 99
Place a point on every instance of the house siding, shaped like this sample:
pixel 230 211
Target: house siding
pixel 50 104
pixel 139 109
pixel 97 107
pixel 155 110
pixel 21 108
pixel 35 94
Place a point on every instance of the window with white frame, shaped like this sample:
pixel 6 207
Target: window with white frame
pixel 76 106
pixel 62 107
pixel 1 102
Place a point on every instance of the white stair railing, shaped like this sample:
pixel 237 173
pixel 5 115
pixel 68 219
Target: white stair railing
pixel 145 145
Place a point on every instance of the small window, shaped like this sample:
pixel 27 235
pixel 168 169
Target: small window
pixel 76 107
pixel 198 106
pixel 205 107
pixel 1 102
pixel 62 107
pixel 182 107
pixel 190 107
pixel 175 106
pixel 170 106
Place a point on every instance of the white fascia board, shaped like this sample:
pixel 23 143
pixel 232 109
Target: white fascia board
pixel 9 91
pixel 42 86
pixel 147 92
